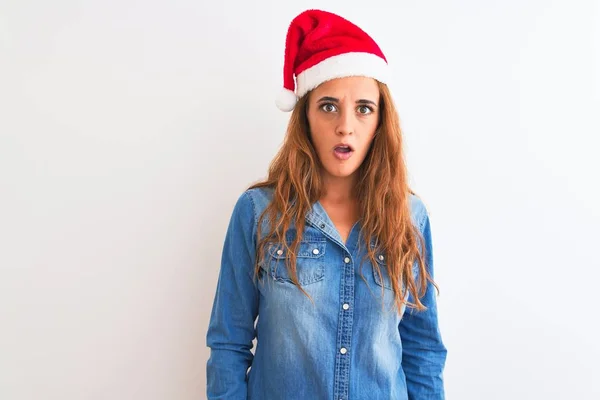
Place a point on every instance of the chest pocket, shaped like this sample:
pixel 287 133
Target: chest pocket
pixel 310 262
pixel 384 280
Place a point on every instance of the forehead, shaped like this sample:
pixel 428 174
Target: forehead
pixel 351 87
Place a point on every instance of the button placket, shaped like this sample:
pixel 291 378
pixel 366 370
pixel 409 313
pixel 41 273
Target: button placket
pixel 342 376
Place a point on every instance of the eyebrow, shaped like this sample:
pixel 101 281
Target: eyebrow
pixel 335 100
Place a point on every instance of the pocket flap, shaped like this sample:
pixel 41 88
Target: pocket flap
pixel 306 249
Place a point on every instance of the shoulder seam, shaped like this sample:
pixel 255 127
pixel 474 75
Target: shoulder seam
pixel 247 193
pixel 254 227
pixel 423 219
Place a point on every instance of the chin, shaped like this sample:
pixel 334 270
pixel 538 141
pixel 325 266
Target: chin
pixel 341 173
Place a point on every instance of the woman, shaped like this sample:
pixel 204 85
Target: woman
pixel 328 262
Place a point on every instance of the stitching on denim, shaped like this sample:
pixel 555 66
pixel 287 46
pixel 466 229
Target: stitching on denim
pixel 423 218
pixel 249 196
pixel 247 193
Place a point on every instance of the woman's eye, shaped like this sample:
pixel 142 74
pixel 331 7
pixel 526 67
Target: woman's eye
pixel 328 107
pixel 364 110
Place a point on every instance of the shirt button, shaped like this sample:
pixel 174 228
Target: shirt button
pixel 280 252
pixel 343 350
pixel 347 260
pixel 316 251
pixel 322 226
pixel 346 306
pixel 381 258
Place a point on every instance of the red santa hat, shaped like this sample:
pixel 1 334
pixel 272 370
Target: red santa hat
pixel 320 46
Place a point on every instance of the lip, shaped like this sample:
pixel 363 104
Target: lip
pixel 344 144
pixel 343 156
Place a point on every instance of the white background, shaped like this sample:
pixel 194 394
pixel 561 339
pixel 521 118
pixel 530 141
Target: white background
pixel 129 128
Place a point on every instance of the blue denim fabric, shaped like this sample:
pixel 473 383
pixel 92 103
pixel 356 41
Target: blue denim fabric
pixel 345 346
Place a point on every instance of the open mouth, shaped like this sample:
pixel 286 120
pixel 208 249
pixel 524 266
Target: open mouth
pixel 343 152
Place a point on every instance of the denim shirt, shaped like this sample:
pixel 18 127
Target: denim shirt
pixel 347 345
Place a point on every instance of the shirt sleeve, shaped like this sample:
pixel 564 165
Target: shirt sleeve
pixel 424 353
pixel 231 327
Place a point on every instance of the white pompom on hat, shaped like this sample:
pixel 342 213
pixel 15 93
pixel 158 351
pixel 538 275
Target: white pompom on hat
pixel 321 46
pixel 286 100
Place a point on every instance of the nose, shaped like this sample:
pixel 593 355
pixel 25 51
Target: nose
pixel 345 123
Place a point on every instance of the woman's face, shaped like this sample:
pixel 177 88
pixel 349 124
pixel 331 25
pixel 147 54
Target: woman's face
pixel 343 115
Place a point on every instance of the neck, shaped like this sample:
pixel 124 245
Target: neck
pixel 338 190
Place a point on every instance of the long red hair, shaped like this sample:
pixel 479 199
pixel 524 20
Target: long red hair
pixel 382 191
